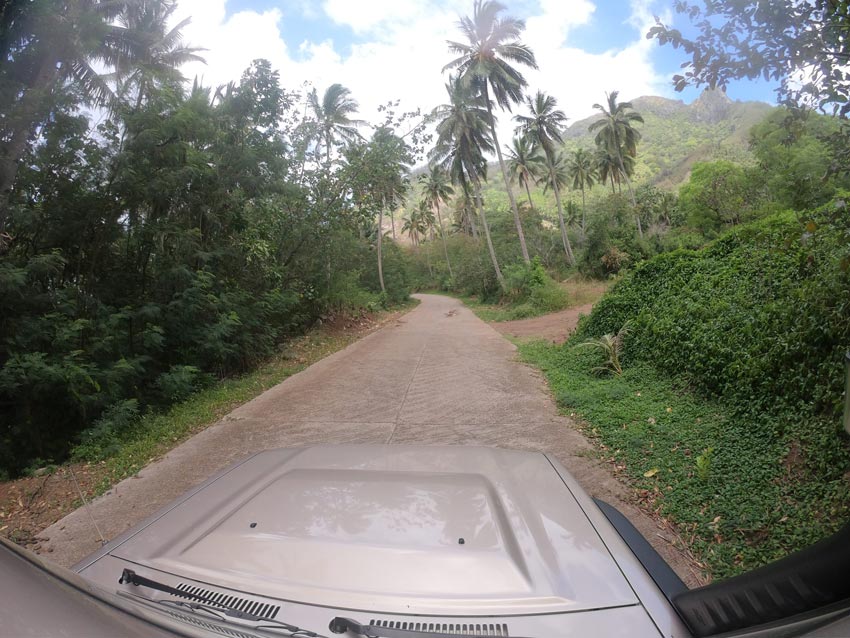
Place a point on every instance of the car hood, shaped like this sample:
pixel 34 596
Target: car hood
pixel 393 529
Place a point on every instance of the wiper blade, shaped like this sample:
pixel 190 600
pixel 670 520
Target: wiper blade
pixel 340 625
pixel 128 576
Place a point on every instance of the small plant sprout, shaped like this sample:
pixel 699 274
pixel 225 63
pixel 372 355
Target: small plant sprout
pixel 703 462
pixel 612 347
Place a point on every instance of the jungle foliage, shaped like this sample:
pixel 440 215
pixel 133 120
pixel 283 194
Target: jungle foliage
pixel 179 240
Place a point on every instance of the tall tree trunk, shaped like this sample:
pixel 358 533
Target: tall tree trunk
pixel 528 192
pixel 392 221
pixel 583 214
pixel 470 216
pixel 380 241
pixel 443 237
pixel 490 248
pixel 510 190
pixel 631 194
pixel 568 249
pixel 328 151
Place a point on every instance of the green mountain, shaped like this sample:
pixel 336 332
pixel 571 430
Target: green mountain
pixel 675 135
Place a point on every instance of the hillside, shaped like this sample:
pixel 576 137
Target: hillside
pixel 675 135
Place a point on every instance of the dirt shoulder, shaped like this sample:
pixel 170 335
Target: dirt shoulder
pixel 33 503
pixel 554 327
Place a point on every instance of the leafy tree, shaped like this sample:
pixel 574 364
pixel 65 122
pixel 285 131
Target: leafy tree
pixel 618 136
pixel 543 126
pixel 379 172
pixel 802 45
pixel 795 163
pixel 484 64
pixel 143 266
pixel 716 196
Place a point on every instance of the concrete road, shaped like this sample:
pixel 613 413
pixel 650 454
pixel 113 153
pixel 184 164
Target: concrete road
pixel 438 375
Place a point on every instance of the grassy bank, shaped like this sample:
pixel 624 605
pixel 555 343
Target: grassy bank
pixel 738 497
pixel 579 292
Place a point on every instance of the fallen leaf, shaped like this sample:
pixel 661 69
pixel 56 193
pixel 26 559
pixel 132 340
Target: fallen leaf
pixel 651 473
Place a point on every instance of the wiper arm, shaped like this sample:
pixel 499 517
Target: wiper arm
pixel 128 576
pixel 340 625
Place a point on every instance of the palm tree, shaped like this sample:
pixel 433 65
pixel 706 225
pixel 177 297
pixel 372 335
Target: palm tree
pixel 436 191
pixel 582 170
pixel 483 63
pixel 524 164
pixel 415 225
pixel 617 134
pixel 559 176
pixel 57 43
pixel 462 140
pixel 333 116
pixel 157 52
pixel 607 167
pixel 543 126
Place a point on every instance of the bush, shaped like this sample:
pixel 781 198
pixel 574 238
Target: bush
pixel 103 437
pixel 758 316
pixel 531 291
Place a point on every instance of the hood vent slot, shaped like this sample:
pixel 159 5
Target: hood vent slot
pixel 242 604
pixel 449 629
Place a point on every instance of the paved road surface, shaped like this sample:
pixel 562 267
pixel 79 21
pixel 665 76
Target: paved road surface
pixel 438 375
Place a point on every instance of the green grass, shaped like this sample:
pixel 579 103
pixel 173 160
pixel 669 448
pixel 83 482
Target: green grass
pixel 157 433
pixel 738 496
pixel 580 292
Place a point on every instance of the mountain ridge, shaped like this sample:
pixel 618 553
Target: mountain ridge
pixel 676 135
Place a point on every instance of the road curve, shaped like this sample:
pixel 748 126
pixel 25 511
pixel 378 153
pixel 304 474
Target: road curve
pixel 438 375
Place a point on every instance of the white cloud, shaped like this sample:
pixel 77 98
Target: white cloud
pixel 400 48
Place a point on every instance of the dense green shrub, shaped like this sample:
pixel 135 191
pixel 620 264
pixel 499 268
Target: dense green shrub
pixel 759 316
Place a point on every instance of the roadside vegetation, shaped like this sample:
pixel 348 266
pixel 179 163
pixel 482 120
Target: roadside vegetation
pixel 723 405
pixel 108 454
pixel 153 256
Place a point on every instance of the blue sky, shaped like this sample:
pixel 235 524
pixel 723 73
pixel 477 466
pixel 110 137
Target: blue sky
pixel 395 49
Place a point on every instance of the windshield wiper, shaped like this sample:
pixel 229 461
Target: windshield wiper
pixel 128 576
pixel 340 625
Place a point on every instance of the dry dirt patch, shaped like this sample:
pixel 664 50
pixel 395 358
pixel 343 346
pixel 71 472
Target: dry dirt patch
pixel 554 327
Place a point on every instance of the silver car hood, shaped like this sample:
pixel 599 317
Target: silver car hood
pixel 393 529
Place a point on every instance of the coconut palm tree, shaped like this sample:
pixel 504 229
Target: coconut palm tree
pixel 156 52
pixel 616 133
pixel 608 168
pixel 415 225
pixel 48 45
pixel 543 126
pixel 582 170
pixel 524 164
pixel 484 64
pixel 333 116
pixel 463 137
pixel 437 189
